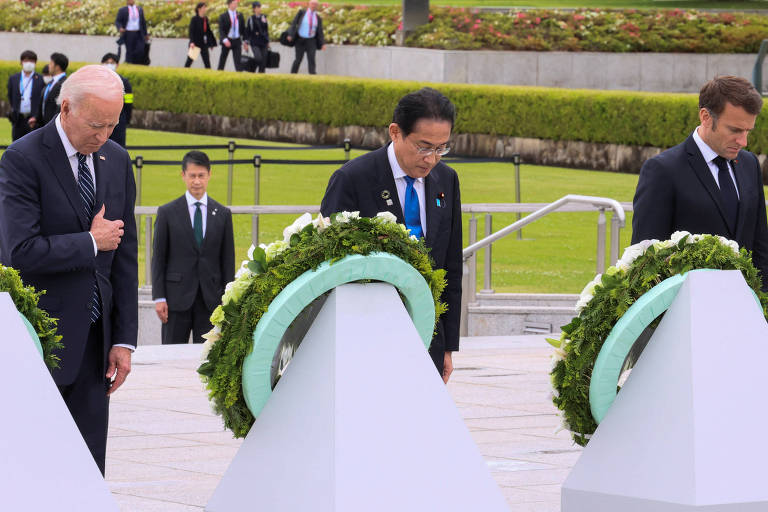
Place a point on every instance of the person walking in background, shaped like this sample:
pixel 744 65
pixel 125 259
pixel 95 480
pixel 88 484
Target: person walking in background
pixel 67 196
pixel 25 90
pixel 307 32
pixel 49 107
pixel 231 25
pixel 194 255
pixel 46 72
pixel 257 36
pixel 132 26
pixel 118 134
pixel 200 35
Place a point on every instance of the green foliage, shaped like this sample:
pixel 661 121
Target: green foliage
pixel 309 246
pixel 617 290
pixel 25 299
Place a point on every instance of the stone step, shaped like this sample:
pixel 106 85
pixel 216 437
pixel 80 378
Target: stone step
pixel 527 299
pixel 505 320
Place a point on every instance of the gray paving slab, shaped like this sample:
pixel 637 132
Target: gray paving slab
pixel 167 450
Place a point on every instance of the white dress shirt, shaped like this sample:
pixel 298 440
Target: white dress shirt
pixel 234 25
pixel 400 183
pixel 133 19
pixel 25 88
pixel 192 208
pixel 709 157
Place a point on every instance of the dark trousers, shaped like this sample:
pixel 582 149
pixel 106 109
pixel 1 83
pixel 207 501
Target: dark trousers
pixel 87 399
pixel 134 47
pixel 180 323
pixel 20 126
pixel 260 54
pixel 204 55
pixel 308 46
pixel 236 53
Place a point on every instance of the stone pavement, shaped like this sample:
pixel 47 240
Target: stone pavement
pixel 167 450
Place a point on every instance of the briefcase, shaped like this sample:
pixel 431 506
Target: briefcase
pixel 247 63
pixel 273 59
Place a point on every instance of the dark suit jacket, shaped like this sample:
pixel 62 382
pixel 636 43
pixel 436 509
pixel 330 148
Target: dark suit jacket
pixel 358 186
pixel 257 31
pixel 180 266
pixel 201 38
pixel 294 30
pixel 48 106
pixel 44 236
pixel 225 23
pixel 36 95
pixel 121 20
pixel 677 192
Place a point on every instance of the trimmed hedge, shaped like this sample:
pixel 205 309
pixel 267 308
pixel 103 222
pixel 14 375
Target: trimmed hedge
pixel 619 117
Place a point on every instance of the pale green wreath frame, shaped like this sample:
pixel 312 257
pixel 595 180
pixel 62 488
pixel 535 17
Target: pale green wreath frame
pixel 32 334
pixel 377 266
pixel 610 360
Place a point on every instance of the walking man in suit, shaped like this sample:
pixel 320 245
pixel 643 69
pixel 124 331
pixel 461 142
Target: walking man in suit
pixel 132 26
pixel 25 90
pixel 307 30
pixel 194 255
pixel 231 25
pixel 49 106
pixel 66 224
pixel 709 184
pixel 257 35
pixel 407 178
pixel 118 134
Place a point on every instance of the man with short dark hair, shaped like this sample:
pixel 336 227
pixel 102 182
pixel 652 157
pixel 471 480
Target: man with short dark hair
pixel 307 32
pixel 194 255
pixel 132 26
pixel 49 106
pixel 111 60
pixel 24 94
pixel 407 178
pixel 709 184
pixel 231 27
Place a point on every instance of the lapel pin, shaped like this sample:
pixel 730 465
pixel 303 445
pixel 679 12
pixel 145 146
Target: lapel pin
pixel 439 199
pixel 385 195
pixel 101 157
pixel 389 202
pixel 214 211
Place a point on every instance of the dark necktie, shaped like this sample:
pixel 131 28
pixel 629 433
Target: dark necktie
pixel 411 209
pixel 88 198
pixel 728 194
pixel 197 225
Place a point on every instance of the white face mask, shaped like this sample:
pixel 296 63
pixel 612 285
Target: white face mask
pixel 111 66
pixel 28 66
pixel 47 79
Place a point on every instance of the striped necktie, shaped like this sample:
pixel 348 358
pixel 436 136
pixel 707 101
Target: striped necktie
pixel 88 197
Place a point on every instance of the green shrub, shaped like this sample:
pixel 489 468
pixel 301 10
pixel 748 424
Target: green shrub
pixel 619 117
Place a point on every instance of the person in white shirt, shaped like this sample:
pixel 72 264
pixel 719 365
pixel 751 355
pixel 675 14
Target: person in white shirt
pixel 24 94
pixel 231 27
pixel 132 26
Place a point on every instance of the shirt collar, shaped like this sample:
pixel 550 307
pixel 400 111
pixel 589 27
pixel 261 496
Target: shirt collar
pixel 191 200
pixel 707 152
pixel 58 77
pixel 69 149
pixel 397 171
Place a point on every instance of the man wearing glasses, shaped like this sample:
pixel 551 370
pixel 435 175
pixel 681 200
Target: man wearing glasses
pixel 407 179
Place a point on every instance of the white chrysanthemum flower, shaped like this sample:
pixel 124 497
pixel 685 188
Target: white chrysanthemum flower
pixel 297 226
pixel 665 244
pixel 321 222
pixel 243 271
pixel 729 243
pixel 210 338
pixel 344 217
pixel 275 248
pixel 678 235
pixel 250 251
pixel 386 217
pixel 587 293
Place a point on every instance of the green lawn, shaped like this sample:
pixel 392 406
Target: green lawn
pixel 608 4
pixel 557 253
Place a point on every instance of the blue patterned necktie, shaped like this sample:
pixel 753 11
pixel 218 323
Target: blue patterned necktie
pixel 88 197
pixel 727 193
pixel 411 209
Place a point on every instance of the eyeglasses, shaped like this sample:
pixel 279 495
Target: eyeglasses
pixel 438 151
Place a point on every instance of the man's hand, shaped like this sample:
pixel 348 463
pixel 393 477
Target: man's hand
pixel 32 121
pixel 322 48
pixel 161 308
pixel 289 38
pixel 191 44
pixel 245 46
pixel 447 367
pixel 121 30
pixel 119 367
pixel 107 233
pixel 227 43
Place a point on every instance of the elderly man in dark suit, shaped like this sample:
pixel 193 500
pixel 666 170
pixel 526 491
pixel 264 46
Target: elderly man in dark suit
pixel 24 94
pixel 709 184
pixel 66 224
pixel 132 25
pixel 49 106
pixel 407 179
pixel 194 255
pixel 231 29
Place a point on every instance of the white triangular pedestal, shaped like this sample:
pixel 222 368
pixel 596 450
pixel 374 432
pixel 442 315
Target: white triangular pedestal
pixel 44 462
pixel 687 431
pixel 360 421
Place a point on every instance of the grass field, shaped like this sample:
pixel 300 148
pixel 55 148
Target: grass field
pixel 557 254
pixel 603 4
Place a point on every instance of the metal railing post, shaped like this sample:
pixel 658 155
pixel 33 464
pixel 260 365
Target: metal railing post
pixel 615 238
pixel 139 166
pixel 472 290
pixel 516 162
pixel 488 256
pixel 148 250
pixel 347 149
pixel 463 327
pixel 601 241
pixel 256 193
pixel 231 165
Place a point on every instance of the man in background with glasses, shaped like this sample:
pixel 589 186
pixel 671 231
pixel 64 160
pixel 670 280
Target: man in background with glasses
pixel 407 179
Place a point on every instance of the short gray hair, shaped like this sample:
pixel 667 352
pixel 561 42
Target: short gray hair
pixel 92 80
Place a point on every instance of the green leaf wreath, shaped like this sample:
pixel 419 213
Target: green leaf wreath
pixel 25 299
pixel 604 300
pixel 306 244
